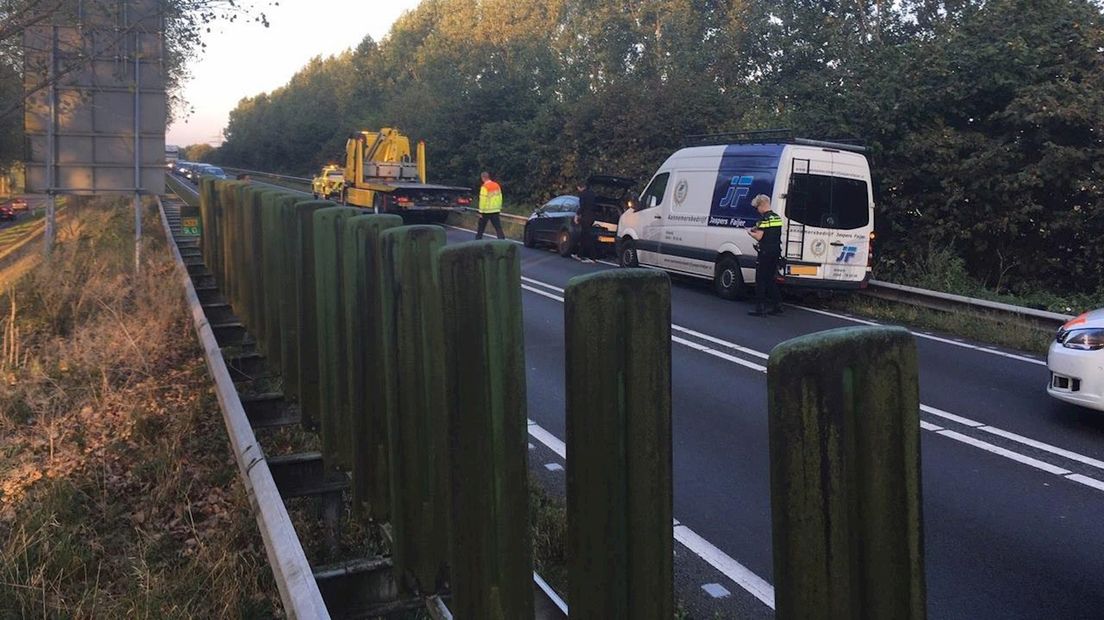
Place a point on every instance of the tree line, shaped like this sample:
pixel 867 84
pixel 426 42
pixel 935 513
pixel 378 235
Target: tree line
pixel 984 118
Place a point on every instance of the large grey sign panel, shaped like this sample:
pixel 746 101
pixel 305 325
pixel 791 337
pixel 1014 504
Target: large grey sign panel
pixel 107 71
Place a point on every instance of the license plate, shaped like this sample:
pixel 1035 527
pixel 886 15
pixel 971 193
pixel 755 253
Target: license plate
pixel 606 239
pixel 802 270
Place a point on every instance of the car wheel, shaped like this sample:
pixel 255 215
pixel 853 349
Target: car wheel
pixel 527 238
pixel 564 243
pixel 626 253
pixel 728 280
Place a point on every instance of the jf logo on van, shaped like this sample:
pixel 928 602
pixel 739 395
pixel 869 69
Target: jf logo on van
pixel 734 208
pixel 740 187
pixel 847 253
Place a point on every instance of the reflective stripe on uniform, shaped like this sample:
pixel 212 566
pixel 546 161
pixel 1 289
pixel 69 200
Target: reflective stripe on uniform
pixel 771 220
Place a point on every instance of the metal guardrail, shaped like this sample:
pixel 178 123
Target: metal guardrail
pixel 948 302
pixel 292 572
pixel 267 174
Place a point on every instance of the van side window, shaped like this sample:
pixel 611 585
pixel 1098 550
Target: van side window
pixel 657 188
pixel 828 202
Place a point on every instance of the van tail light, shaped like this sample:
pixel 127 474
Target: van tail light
pixel 463 201
pixel 870 252
pixel 402 200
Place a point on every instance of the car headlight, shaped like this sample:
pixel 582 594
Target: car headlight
pixel 1090 339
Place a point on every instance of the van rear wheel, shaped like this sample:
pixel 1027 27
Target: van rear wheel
pixel 728 280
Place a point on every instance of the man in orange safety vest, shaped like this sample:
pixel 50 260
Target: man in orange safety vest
pixel 490 206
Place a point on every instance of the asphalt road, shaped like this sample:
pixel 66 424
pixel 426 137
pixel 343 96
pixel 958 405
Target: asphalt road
pixel 1013 481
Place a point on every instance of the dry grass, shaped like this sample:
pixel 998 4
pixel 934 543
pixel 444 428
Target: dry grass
pixel 118 493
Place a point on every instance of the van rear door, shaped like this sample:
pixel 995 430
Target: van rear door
pixel 828 221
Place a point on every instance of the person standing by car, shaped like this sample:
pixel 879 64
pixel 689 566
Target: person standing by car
pixel 490 206
pixel 768 232
pixel 584 219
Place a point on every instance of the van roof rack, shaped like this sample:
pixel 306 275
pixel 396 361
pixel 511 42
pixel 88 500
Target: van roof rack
pixel 770 136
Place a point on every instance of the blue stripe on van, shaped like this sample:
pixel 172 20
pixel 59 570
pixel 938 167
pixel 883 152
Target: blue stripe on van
pixel 745 171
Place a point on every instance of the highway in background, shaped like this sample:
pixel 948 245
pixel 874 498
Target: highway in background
pixel 1013 480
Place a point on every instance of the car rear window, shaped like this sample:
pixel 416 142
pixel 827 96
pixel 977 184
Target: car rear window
pixel 828 202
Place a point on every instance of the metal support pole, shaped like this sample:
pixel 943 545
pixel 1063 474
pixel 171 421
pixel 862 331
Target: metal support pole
pixel 138 153
pixel 51 148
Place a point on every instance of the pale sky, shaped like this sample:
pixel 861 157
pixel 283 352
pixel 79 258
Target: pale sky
pixel 245 59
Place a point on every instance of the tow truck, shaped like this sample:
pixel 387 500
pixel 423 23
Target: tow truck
pixel 383 175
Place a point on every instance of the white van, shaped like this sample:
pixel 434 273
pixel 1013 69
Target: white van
pixel 691 218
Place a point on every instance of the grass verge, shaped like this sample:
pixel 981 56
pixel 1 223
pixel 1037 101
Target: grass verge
pixel 978 327
pixel 118 492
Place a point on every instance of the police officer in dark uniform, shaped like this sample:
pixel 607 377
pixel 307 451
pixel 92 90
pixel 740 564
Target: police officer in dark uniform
pixel 585 217
pixel 768 232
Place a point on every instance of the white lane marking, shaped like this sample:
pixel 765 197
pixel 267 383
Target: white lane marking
pixel 716 590
pixel 542 293
pixel 1087 481
pixel 543 585
pixel 950 416
pixel 1045 447
pixel 729 567
pixel 553 467
pixel 722 355
pixel 956 343
pixel 548 439
pixel 532 447
pixel 724 343
pixel 1008 454
pixel 546 285
pixel 977 443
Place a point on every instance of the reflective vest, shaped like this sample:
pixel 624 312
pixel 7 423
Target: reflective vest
pixel 490 198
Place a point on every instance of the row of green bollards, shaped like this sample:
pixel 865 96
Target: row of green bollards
pixel 408 357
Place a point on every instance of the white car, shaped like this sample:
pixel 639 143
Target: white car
pixel 1076 361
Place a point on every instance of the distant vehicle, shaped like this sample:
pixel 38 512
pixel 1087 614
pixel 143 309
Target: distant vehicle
pixel 330 183
pixel 181 167
pixel 693 217
pixel 207 170
pixel 1076 361
pixel 18 204
pixel 553 223
pixel 7 213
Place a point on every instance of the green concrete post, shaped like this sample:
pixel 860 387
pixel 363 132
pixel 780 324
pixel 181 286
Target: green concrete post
pixel 845 475
pixel 620 537
pixel 364 334
pixel 245 258
pixel 228 198
pixel 333 392
pixel 491 555
pixel 288 295
pixel 206 207
pixel 256 271
pixel 416 418
pixel 273 252
pixel 307 312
